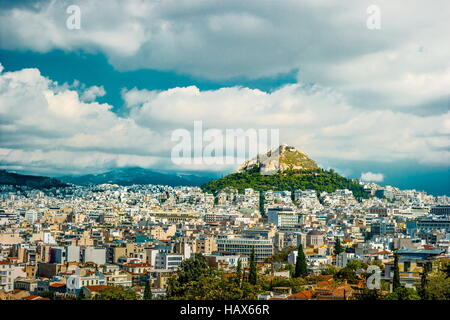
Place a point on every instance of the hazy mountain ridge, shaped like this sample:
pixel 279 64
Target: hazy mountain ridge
pixel 36 182
pixel 136 175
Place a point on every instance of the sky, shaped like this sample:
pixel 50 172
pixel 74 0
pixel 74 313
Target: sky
pixel 372 103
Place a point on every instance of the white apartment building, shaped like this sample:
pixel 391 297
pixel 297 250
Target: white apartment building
pixel 6 276
pixel 283 218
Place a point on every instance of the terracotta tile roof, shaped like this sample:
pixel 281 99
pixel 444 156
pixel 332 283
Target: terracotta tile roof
pixel 96 288
pixel 17 291
pixel 382 252
pixel 34 297
pixel 137 265
pixel 324 283
pixel 304 295
pixel 341 291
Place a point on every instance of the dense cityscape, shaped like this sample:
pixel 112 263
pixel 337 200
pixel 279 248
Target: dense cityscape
pixel 184 159
pixel 160 242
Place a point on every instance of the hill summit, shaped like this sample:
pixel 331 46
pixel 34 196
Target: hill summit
pixel 280 159
pixel 284 169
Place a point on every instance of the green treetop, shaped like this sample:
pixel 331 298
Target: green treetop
pixel 300 264
pixel 396 278
pixel 148 291
pixel 338 248
pixel 252 276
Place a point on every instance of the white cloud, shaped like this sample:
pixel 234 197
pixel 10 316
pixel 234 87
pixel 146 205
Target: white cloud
pixel 373 177
pixel 91 93
pixel 403 64
pixel 315 119
pixel 46 126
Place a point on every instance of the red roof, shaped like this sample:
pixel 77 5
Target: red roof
pixel 137 265
pixel 34 297
pixel 324 283
pixel 382 252
pixel 96 288
pixel 304 295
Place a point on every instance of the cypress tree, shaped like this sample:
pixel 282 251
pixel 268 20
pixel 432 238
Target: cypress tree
pixel 262 199
pixel 239 272
pixel 252 276
pixel 424 281
pixel 338 246
pixel 300 264
pixel 396 278
pixel 148 291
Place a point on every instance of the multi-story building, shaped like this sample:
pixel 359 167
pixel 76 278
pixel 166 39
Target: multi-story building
pixel 75 282
pixel 226 260
pixel 427 224
pixel 343 258
pixel 411 263
pixel 283 218
pixel 93 254
pixel 27 284
pixel 263 247
pixel 205 245
pixel 315 238
pixel 7 218
pixel 382 227
pixel 440 211
pixel 168 260
pixel 6 276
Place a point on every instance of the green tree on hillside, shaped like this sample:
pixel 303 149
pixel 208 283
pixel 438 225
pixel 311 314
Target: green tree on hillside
pixel 148 291
pixel 356 264
pixel 262 199
pixel 316 179
pixel 396 278
pixel 301 268
pixel 424 280
pixel 329 270
pixel 402 293
pixel 346 274
pixel 338 246
pixel 437 286
pixel 116 293
pixel 252 275
pixel 239 272
pixel 195 281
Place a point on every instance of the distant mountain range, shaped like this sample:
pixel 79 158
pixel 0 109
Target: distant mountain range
pixel 136 175
pixel 284 168
pixel 35 182
pixel 121 176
